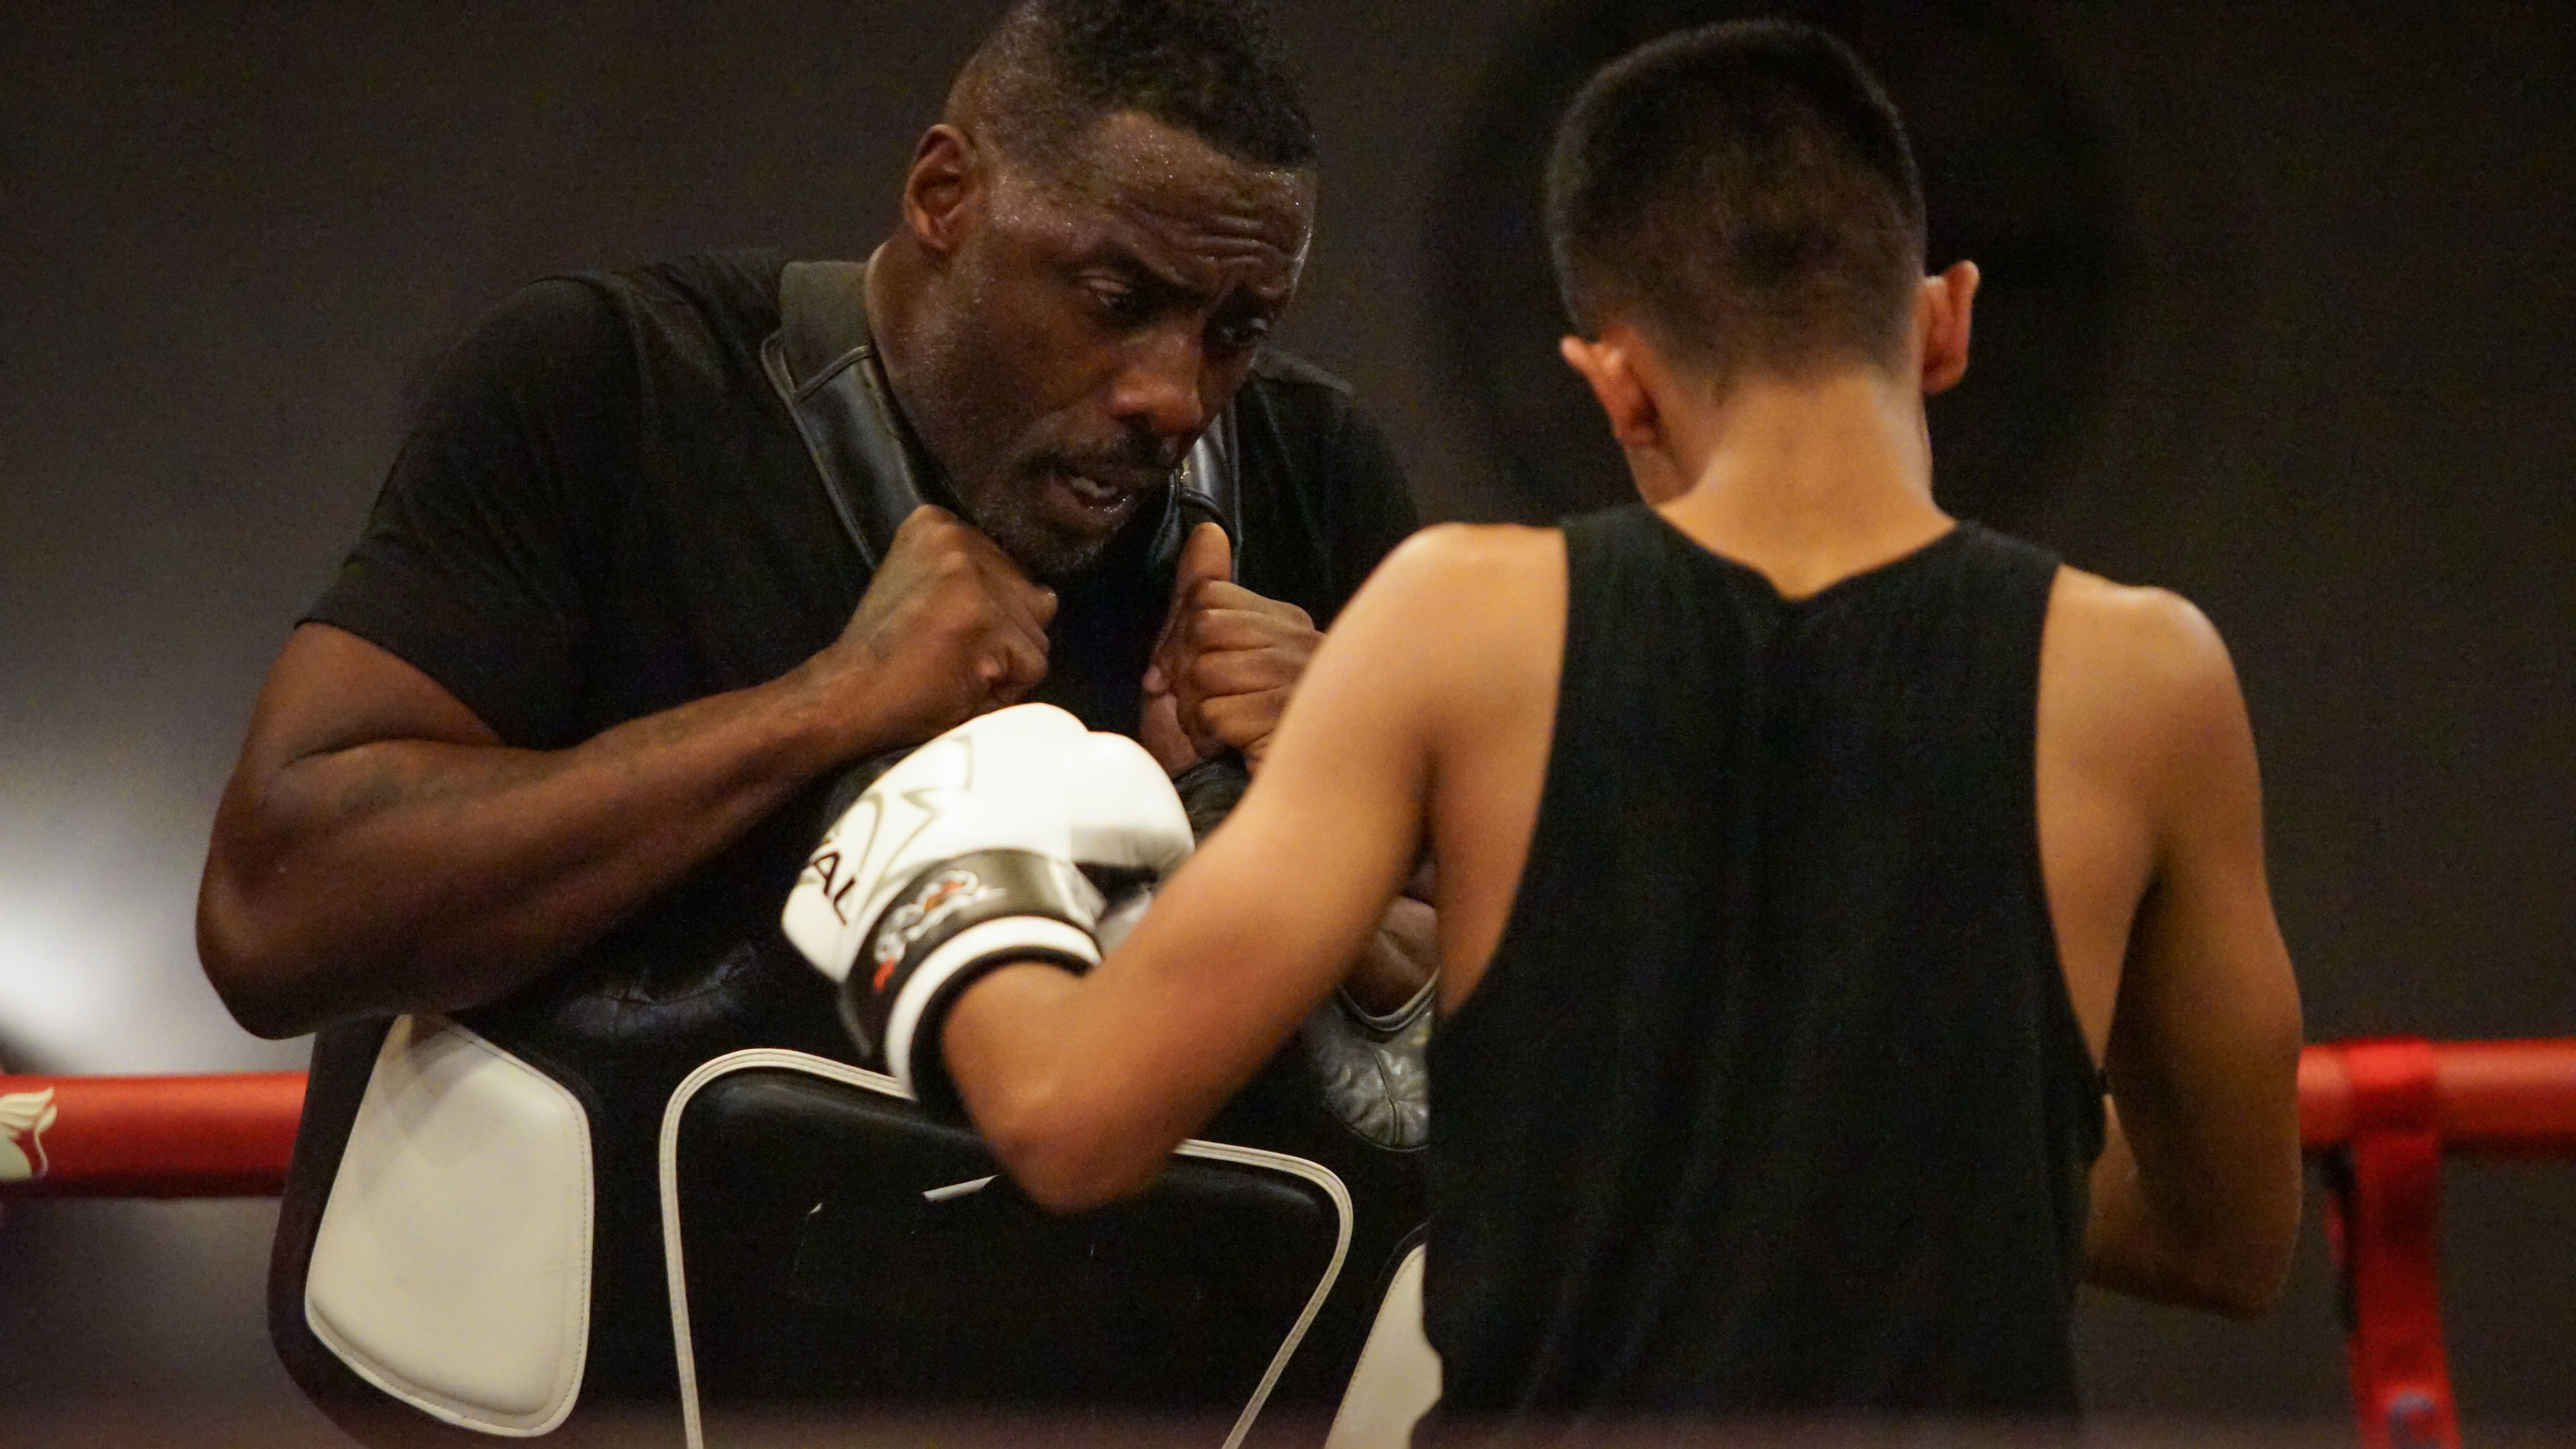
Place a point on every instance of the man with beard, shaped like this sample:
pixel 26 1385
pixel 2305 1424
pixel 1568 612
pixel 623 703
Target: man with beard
pixel 529 758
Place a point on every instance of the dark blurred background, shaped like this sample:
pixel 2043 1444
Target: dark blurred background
pixel 2278 313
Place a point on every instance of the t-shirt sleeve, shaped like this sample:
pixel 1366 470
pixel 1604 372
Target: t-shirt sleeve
pixel 1371 508
pixel 1323 496
pixel 481 556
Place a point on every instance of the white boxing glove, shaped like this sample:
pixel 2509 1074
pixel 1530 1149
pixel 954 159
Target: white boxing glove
pixel 966 856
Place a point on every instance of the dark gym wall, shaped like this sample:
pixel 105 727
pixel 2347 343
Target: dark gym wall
pixel 2313 377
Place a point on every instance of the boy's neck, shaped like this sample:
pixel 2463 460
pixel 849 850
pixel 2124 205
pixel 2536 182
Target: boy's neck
pixel 1808 481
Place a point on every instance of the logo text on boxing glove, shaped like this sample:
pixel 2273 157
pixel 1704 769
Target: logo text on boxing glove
pixel 942 896
pixel 860 845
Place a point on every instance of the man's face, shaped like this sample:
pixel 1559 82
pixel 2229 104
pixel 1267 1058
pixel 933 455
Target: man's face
pixel 1088 325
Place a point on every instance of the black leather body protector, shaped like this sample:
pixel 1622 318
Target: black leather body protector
pixel 785 1257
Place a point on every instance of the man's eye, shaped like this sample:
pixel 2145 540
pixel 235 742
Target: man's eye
pixel 1120 306
pixel 1241 333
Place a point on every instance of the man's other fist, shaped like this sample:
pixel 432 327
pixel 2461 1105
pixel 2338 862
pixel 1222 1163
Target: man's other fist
pixel 1225 664
pixel 950 628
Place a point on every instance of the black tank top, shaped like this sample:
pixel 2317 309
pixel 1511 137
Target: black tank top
pixel 1772 1099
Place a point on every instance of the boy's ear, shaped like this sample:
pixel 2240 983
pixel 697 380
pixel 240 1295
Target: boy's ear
pixel 1942 313
pixel 1610 368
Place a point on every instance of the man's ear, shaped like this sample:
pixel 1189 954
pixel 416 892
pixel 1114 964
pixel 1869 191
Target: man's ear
pixel 1607 365
pixel 1941 314
pixel 940 191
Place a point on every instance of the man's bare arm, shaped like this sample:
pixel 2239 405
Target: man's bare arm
pixel 378 848
pixel 1399 959
pixel 2196 1197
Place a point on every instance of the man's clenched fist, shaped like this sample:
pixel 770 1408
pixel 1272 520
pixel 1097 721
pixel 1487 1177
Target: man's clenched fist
pixel 1225 664
pixel 949 629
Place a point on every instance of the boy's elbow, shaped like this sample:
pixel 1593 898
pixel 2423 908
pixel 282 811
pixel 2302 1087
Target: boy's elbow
pixel 2240 1274
pixel 2233 1279
pixel 2243 1289
pixel 2256 1286
pixel 1063 1158
pixel 2247 1302
pixel 1064 1183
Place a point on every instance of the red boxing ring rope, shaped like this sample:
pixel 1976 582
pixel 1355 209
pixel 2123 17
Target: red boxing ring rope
pixel 212 1136
pixel 2490 1098
pixel 2380 1114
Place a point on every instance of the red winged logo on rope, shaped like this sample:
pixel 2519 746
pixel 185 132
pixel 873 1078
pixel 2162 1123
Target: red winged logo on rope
pixel 24 1116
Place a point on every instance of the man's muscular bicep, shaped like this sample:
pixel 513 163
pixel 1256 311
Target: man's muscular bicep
pixel 328 696
pixel 331 690
pixel 303 768
pixel 380 851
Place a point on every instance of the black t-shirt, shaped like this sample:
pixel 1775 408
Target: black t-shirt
pixel 604 511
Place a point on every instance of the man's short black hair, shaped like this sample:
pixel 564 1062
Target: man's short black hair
pixel 1209 67
pixel 1743 194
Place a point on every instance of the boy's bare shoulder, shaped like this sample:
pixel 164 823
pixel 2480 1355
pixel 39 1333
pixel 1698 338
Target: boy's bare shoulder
pixel 2135 627
pixel 2144 661
pixel 1472 548
pixel 1459 611
pixel 1454 579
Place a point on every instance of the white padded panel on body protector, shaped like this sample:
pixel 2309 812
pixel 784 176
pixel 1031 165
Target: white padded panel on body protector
pixel 452 1266
pixel 1397 1379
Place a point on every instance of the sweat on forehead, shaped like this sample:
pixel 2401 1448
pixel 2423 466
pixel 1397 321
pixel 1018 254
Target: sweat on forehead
pixel 1129 155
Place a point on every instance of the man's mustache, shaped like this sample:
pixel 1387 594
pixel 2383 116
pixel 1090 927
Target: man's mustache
pixel 1149 463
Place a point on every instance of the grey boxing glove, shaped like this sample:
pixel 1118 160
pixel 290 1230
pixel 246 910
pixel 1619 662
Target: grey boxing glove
pixel 1370 1067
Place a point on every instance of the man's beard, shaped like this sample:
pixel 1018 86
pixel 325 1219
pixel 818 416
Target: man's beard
pixel 1010 508
pixel 1004 490
pixel 1008 515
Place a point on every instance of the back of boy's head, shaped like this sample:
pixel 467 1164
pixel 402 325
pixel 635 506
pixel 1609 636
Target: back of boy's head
pixel 1743 195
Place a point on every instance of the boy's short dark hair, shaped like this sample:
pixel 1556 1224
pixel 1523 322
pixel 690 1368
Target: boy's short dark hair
pixel 1212 68
pixel 1742 193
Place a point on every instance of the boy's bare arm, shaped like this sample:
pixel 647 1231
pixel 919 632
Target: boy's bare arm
pixel 2196 1197
pixel 1085 1086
